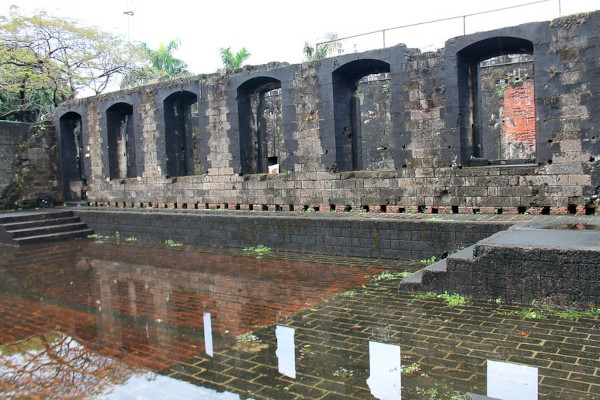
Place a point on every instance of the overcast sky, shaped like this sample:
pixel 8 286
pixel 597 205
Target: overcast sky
pixel 275 30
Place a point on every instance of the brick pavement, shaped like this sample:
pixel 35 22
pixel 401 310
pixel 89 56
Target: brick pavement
pixel 449 345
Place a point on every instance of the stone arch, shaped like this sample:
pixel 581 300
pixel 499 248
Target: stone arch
pixel 497 101
pixel 180 119
pixel 260 118
pixel 121 141
pixel 353 109
pixel 72 155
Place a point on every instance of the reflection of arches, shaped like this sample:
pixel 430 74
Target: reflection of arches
pixel 181 112
pixel 347 111
pixel 121 141
pixel 260 124
pixel 72 155
pixel 497 101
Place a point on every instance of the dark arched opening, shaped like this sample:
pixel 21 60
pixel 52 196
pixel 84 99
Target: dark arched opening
pixel 261 125
pixel 121 141
pixel 497 101
pixel 181 117
pixel 361 92
pixel 72 156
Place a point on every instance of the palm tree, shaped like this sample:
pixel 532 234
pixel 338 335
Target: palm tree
pixel 233 61
pixel 322 50
pixel 157 65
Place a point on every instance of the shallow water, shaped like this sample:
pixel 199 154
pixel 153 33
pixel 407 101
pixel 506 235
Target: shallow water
pixel 86 319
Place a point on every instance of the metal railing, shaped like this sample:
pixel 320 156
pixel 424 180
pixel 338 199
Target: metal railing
pixel 436 21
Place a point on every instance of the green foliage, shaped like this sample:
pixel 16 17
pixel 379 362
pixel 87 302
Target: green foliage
pixel 131 239
pixel 247 337
pixel 45 60
pixel 424 296
pixel 390 276
pixel 411 369
pixel 258 251
pixel 232 61
pixel 155 65
pixel 172 243
pixel 538 311
pixel 97 236
pixel 452 300
pixel 321 50
pixel 429 261
pixel 434 393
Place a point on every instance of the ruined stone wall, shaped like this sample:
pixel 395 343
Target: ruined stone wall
pixel 28 165
pixel 405 141
pixel 12 135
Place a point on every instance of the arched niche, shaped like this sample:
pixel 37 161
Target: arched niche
pixel 497 101
pixel 121 141
pixel 180 119
pixel 260 125
pixel 362 118
pixel 72 156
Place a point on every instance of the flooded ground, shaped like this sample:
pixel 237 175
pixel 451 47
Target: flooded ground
pixel 105 320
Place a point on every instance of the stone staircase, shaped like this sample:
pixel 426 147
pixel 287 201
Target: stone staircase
pixel 433 278
pixel 29 227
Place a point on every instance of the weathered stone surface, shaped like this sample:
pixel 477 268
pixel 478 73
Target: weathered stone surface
pixel 524 138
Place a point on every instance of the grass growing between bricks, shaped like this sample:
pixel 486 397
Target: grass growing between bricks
pixel 452 300
pixel 540 311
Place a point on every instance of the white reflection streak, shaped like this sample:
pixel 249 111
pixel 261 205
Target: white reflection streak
pixel 507 381
pixel 208 342
pixel 286 352
pixel 384 364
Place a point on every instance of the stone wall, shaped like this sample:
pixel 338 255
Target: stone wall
pixel 12 135
pixel 403 239
pixel 28 165
pixel 387 130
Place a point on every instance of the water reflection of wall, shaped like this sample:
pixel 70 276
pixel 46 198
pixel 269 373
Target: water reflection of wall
pixel 147 305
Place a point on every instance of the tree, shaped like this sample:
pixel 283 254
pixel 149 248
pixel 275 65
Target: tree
pixel 233 61
pixel 46 60
pixel 155 65
pixel 322 50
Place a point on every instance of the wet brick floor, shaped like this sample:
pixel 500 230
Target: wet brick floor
pixel 127 309
pixel 449 347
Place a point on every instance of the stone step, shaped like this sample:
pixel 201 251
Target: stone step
pixel 13 226
pixel 37 226
pixel 33 216
pixel 49 237
pixel 431 277
pixel 50 229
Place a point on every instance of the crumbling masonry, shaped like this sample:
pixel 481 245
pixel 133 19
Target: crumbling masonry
pixel 502 121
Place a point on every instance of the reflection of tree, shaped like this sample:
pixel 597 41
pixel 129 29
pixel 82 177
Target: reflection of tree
pixel 56 366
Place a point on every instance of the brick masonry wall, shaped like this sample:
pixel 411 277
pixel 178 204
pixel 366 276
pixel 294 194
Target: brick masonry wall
pixel 428 166
pixel 519 119
pixel 333 235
